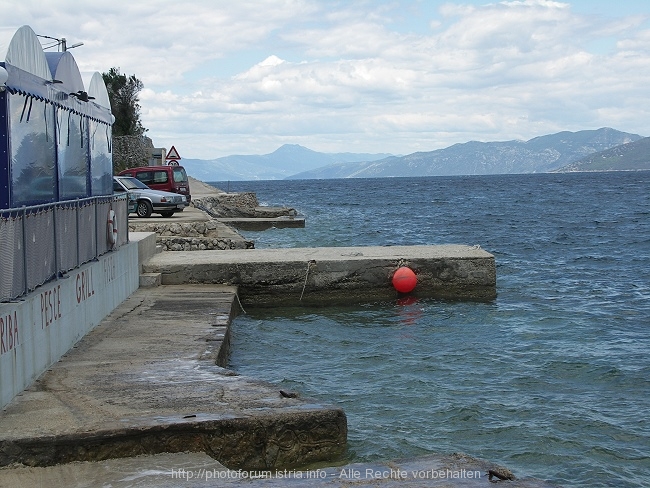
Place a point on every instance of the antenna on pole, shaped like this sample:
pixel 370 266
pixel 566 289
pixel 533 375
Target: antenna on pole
pixel 60 43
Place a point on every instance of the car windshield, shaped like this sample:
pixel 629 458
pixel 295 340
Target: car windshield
pixel 133 183
pixel 179 175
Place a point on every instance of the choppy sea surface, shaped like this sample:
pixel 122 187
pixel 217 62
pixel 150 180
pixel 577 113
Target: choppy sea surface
pixel 552 378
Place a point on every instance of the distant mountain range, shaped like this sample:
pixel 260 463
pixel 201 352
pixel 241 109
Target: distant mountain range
pixel 280 164
pixel 588 150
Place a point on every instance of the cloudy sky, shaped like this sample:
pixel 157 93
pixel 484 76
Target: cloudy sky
pixel 228 77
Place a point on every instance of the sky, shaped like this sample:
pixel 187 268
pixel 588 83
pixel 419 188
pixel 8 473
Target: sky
pixel 225 77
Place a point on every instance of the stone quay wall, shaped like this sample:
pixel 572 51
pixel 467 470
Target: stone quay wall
pixel 191 236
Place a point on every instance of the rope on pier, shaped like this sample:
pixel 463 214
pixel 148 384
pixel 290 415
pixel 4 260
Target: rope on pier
pixel 240 305
pixel 309 263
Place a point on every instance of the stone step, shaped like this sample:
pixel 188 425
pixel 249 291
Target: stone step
pixel 150 280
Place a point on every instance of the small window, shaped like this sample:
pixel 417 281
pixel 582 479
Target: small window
pixel 145 177
pixel 160 177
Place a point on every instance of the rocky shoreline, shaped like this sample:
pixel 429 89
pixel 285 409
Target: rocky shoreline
pixel 220 204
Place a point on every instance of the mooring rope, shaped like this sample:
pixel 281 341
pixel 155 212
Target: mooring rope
pixel 240 305
pixel 309 263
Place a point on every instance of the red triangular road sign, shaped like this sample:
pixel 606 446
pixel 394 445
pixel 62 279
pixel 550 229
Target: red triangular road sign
pixel 172 154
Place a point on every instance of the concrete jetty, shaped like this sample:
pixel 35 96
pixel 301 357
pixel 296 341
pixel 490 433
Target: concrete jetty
pixel 147 380
pixel 318 276
pixel 252 223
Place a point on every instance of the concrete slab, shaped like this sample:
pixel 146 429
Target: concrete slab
pixel 145 381
pixel 318 276
pixel 259 223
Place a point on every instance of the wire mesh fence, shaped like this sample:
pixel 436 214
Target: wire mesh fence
pixel 39 243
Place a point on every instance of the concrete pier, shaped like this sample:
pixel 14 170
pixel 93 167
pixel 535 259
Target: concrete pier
pixel 146 381
pixel 318 276
pixel 251 223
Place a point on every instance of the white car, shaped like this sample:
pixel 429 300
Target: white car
pixel 149 201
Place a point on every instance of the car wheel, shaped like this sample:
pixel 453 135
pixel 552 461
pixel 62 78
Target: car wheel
pixel 144 209
pixel 166 214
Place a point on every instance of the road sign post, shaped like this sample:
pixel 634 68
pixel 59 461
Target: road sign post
pixel 172 157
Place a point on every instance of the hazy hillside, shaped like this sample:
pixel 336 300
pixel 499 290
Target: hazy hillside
pixel 285 161
pixel 631 156
pixel 588 150
pixel 541 154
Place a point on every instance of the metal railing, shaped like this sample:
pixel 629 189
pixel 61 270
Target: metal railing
pixel 42 242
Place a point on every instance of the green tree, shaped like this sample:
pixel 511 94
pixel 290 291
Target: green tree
pixel 123 93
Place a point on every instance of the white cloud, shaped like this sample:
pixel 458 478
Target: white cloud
pixel 245 77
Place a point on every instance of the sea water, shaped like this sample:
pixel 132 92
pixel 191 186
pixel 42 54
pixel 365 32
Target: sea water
pixel 552 378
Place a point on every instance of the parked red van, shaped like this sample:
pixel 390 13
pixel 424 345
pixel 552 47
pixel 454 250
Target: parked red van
pixel 166 178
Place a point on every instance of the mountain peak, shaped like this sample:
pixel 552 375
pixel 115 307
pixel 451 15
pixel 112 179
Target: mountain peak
pixel 292 148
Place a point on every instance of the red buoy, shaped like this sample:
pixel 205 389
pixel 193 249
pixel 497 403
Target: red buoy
pixel 404 280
